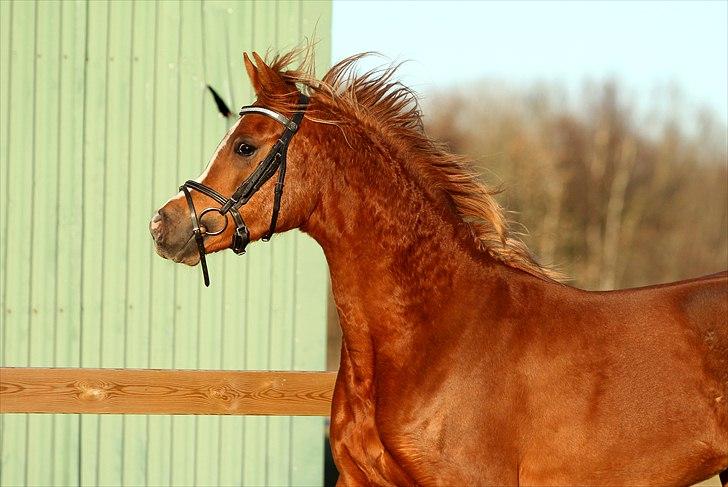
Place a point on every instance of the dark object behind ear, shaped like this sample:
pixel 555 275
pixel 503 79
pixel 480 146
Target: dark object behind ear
pixel 221 106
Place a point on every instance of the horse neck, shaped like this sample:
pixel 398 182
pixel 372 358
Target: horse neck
pixel 397 251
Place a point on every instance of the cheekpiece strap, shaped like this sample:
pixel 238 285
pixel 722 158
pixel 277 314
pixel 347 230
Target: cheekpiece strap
pixel 197 233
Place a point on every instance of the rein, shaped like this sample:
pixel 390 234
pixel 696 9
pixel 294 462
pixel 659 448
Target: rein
pixel 274 161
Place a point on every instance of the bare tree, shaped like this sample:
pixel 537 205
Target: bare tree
pixel 614 201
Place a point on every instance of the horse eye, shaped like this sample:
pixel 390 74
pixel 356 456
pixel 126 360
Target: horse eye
pixel 245 150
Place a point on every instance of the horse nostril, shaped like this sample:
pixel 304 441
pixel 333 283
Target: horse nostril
pixel 163 213
pixel 155 227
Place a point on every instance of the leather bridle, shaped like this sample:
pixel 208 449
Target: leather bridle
pixel 274 161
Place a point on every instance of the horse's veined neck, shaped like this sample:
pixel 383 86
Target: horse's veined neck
pixel 377 206
pixel 395 249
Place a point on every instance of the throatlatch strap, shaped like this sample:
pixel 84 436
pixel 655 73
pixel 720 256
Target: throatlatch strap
pixel 277 194
pixel 285 140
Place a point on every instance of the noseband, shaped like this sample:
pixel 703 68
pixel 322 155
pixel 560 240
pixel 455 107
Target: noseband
pixel 274 161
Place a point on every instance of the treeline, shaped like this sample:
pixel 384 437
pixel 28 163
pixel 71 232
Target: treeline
pixel 611 194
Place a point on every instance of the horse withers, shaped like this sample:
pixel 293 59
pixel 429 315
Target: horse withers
pixel 463 361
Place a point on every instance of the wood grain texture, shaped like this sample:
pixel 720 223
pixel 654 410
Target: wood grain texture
pixel 150 391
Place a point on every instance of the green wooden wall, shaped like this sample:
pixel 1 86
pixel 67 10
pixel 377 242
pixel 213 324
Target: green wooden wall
pixel 104 113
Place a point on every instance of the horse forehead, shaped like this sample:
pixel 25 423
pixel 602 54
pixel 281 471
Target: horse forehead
pixel 258 124
pixel 249 124
pixel 242 125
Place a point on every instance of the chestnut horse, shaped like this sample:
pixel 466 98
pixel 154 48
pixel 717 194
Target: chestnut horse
pixel 463 361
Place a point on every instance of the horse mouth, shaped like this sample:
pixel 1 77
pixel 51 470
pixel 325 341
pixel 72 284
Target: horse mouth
pixel 191 259
pixel 186 254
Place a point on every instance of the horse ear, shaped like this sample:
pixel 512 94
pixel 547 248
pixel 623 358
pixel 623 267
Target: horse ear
pixel 253 73
pixel 266 76
pixel 259 61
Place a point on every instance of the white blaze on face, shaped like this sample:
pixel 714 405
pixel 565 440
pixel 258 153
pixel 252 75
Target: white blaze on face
pixel 222 144
pixel 201 177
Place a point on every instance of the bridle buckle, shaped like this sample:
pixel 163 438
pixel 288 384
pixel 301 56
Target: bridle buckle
pixel 241 237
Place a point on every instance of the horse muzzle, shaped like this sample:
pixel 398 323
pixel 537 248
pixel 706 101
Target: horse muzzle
pixel 173 238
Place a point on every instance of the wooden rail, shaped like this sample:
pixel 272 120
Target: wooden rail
pixel 150 391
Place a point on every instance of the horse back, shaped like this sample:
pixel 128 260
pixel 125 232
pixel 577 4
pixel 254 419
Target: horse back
pixel 698 305
pixel 702 304
pixel 626 369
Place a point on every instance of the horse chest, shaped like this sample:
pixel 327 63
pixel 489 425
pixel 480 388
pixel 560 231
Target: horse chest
pixel 358 449
pixel 397 440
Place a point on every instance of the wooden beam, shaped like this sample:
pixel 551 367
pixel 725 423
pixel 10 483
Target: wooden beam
pixel 150 391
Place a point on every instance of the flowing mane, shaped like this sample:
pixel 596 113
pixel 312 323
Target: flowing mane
pixel 379 102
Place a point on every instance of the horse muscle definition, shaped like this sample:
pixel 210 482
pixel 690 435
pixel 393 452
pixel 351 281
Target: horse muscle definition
pixel 463 361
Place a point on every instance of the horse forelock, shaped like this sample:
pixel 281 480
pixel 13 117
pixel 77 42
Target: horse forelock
pixel 377 100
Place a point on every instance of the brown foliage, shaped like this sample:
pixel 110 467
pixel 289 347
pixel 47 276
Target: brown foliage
pixel 612 200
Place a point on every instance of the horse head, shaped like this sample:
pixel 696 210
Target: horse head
pixel 239 196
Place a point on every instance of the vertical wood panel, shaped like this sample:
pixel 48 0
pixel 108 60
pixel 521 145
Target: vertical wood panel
pixel 162 324
pixel 102 118
pixel 66 449
pixel 16 319
pixel 138 305
pixel 94 178
pixel 5 93
pixel 44 218
pixel 5 48
pixel 111 438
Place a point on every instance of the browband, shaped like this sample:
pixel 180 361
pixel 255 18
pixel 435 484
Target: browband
pixel 286 122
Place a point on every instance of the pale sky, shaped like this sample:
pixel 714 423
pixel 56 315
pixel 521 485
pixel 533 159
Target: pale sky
pixel 645 44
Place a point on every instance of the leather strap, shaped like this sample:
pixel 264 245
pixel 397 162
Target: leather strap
pixel 198 235
pixel 289 124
